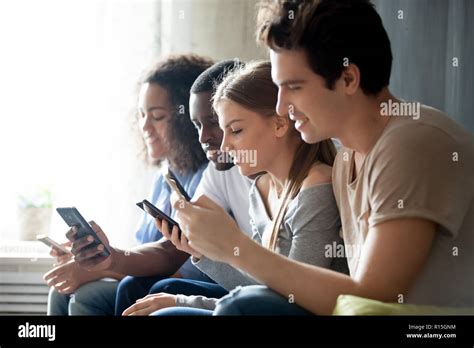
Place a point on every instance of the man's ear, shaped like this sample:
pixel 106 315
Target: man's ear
pixel 282 123
pixel 351 79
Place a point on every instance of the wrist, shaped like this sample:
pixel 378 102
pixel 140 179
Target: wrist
pixel 115 259
pixel 240 250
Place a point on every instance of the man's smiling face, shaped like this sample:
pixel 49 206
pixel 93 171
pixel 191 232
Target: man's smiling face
pixel 318 112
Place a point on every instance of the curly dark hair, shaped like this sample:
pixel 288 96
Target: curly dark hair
pixel 330 32
pixel 176 74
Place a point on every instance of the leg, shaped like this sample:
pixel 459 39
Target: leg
pixel 57 303
pixel 94 298
pixel 131 289
pixel 182 311
pixel 256 300
pixel 176 286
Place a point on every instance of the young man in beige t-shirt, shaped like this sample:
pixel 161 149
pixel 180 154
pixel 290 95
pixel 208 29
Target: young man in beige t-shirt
pixel 418 169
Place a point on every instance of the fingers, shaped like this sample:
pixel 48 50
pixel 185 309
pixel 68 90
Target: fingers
pixel 67 291
pixel 55 281
pixel 71 234
pixel 81 243
pixel 63 287
pixel 158 224
pixel 179 203
pixel 176 198
pixel 175 236
pixel 187 212
pixel 173 198
pixel 186 247
pixel 63 258
pixel 183 241
pixel 53 252
pixel 135 307
pixel 164 229
pixel 55 272
pixel 142 312
pixel 99 232
pixel 89 253
pixel 148 297
pixel 58 279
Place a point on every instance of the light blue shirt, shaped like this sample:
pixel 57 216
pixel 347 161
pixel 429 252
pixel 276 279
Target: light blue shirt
pixel 160 197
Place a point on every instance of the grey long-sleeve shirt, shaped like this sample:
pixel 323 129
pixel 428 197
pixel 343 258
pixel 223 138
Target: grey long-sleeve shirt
pixel 311 224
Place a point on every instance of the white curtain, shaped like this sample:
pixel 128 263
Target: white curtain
pixel 67 75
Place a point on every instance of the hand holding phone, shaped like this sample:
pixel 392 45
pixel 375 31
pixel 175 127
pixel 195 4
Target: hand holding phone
pixel 73 218
pixel 156 213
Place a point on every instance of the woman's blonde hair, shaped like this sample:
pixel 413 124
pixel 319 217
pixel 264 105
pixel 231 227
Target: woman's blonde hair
pixel 252 88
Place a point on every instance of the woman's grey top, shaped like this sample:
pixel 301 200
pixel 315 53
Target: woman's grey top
pixel 310 228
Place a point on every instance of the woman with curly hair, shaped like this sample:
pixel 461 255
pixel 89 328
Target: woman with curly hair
pixel 170 142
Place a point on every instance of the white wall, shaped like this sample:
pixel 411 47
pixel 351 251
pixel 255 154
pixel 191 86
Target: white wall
pixel 221 29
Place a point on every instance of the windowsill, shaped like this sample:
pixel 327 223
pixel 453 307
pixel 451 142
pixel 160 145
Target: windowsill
pixel 15 252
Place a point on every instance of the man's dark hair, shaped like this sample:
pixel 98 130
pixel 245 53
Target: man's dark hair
pixel 331 32
pixel 213 76
pixel 176 74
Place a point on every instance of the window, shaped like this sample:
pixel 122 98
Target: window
pixel 67 76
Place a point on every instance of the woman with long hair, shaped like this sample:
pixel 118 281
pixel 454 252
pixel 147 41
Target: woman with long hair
pixel 292 207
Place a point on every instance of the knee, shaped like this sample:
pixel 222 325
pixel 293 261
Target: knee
pixel 79 301
pixel 57 303
pixel 242 300
pixel 127 284
pixel 54 296
pixel 172 286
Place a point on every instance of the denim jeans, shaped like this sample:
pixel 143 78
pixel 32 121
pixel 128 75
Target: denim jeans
pixel 130 289
pixel 176 286
pixel 94 298
pixel 256 300
pixel 182 311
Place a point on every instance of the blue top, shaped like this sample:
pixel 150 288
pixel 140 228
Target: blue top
pixel 160 196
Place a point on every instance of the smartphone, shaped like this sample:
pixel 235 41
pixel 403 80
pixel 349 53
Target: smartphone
pixel 175 185
pixel 157 213
pixel 73 218
pixel 53 244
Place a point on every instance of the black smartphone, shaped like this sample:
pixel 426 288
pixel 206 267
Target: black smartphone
pixel 175 185
pixel 158 214
pixel 74 218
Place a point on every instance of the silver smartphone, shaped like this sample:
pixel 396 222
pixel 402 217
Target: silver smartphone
pixel 53 244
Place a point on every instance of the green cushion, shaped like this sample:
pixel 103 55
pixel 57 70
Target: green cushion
pixel 353 305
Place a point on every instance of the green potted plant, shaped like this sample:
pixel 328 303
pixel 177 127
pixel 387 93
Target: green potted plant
pixel 34 213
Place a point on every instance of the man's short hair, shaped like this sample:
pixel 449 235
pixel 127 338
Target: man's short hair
pixel 332 33
pixel 209 79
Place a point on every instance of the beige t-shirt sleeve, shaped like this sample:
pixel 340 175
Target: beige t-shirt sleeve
pixel 415 174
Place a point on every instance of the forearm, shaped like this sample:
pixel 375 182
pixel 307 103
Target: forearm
pixel 112 274
pixel 158 258
pixel 196 302
pixel 313 288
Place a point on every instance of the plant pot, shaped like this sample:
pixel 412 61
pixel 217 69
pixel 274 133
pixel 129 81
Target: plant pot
pixel 33 221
